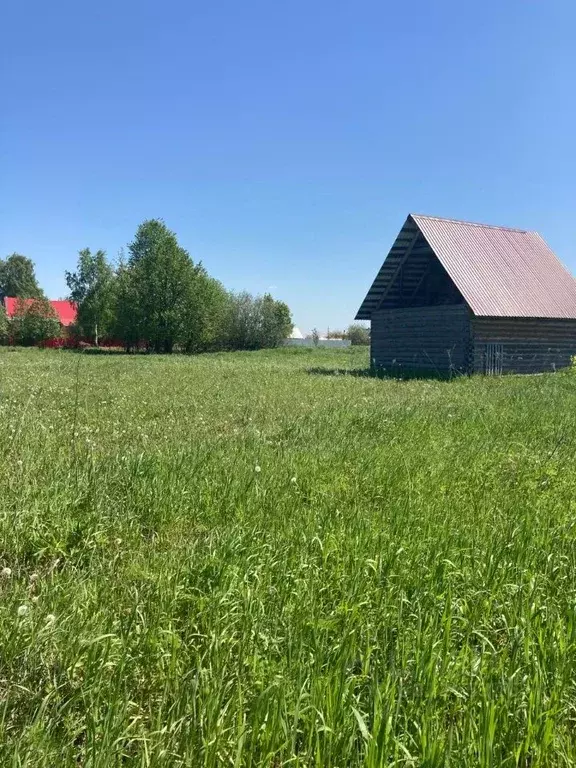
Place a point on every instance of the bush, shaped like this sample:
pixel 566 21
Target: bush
pixel 358 334
pixel 258 322
pixel 34 322
pixel 4 325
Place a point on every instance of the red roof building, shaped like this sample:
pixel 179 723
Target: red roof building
pixel 65 310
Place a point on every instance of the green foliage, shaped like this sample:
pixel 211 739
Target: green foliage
pixel 205 314
pixel 164 301
pixel 124 325
pixel 157 299
pixel 17 278
pixel 158 290
pixel 4 325
pixel 256 322
pixel 33 322
pixel 229 560
pixel 358 334
pixel 92 291
pixel 276 323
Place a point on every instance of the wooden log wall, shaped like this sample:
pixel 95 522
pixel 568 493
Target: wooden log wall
pixel 422 338
pixel 528 345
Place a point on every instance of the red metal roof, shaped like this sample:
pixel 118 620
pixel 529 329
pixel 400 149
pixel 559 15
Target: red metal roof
pixel 65 310
pixel 500 272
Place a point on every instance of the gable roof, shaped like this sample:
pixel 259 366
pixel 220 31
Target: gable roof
pixel 500 272
pixel 65 310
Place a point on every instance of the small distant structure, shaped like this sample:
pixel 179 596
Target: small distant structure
pixel 297 339
pixel 457 296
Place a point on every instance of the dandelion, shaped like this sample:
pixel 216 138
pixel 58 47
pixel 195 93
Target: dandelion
pixel 35 599
pixel 293 480
pixel 6 573
pixel 257 468
pixel 50 619
pixel 22 610
pixel 19 462
pixel 34 577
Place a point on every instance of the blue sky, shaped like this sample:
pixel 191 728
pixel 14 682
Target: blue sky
pixel 283 142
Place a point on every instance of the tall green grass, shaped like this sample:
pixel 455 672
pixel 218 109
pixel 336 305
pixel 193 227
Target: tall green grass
pixel 230 560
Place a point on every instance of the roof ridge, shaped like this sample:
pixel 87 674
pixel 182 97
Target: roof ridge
pixel 417 216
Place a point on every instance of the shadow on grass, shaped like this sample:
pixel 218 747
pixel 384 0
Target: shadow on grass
pixel 396 374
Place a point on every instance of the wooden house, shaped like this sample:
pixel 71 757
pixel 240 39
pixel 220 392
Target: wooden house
pixel 457 296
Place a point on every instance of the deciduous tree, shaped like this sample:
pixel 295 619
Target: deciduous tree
pixel 4 325
pixel 18 279
pixel 358 334
pixel 257 322
pixel 91 290
pixel 161 276
pixel 34 321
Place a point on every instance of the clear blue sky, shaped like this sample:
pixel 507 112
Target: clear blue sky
pixel 284 142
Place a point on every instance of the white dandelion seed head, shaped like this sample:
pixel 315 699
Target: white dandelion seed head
pixel 34 577
pixel 22 610
pixel 50 619
pixel 6 572
pixel 293 480
pixel 257 468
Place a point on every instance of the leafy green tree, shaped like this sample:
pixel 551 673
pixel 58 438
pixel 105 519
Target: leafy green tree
pixel 4 325
pixel 34 321
pixel 257 322
pixel 125 326
pixel 147 239
pixel 18 279
pixel 358 334
pixel 205 313
pixel 241 322
pixel 276 321
pixel 160 278
pixel 91 290
pixel 163 300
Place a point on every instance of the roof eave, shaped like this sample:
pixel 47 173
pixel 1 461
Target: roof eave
pixel 366 313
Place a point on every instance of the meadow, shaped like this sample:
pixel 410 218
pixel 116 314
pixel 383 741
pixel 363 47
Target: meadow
pixel 263 559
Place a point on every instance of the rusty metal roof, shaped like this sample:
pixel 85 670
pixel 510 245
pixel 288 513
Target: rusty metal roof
pixel 500 272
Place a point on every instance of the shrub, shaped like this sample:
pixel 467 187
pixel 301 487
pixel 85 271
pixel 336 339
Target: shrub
pixel 4 325
pixel 34 322
pixel 358 334
pixel 256 322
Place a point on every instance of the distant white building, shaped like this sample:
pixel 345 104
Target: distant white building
pixel 297 339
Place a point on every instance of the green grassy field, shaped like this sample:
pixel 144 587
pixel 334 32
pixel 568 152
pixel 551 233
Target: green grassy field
pixel 230 560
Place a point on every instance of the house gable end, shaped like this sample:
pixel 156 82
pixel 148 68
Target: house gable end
pixel 411 276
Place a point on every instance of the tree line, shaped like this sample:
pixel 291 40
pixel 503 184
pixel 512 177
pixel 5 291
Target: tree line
pixel 157 298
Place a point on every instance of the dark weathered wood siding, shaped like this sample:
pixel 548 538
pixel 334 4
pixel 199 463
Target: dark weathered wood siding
pixel 523 344
pixel 422 338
